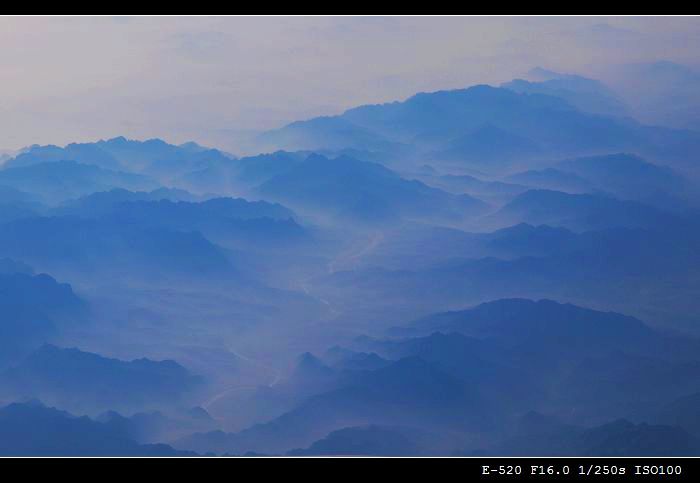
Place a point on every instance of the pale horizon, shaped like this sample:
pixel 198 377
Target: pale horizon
pixel 214 80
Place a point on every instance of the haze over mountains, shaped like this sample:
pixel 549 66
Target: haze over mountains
pixel 490 270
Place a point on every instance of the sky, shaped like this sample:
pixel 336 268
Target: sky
pixel 215 79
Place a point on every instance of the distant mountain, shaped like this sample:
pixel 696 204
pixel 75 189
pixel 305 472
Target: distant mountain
pixel 487 146
pixel 229 222
pixel 405 245
pixel 683 412
pixel 583 364
pixel 32 307
pixel 75 180
pixel 9 195
pixel 660 92
pixel 427 119
pixel 552 179
pixel 153 157
pixel 588 95
pixel 626 175
pixel 35 430
pixel 9 266
pixel 623 438
pixel 164 161
pixel 577 211
pixel 86 247
pixel 16 204
pixel 17 211
pixel 521 320
pixel 332 133
pixel 254 170
pixel 528 124
pixel 241 175
pixel 444 385
pixel 537 435
pixel 157 426
pixel 479 364
pixel 122 195
pixel 557 371
pixel 166 204
pixel 361 361
pixel 603 268
pixel 579 364
pixel 89 383
pixel 80 153
pixel 183 213
pixel 402 393
pixel 455 183
pixel 523 240
pixel 310 368
pixel 363 191
pixel 370 440
pixel 445 115
pixel 104 202
pixel 38 291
